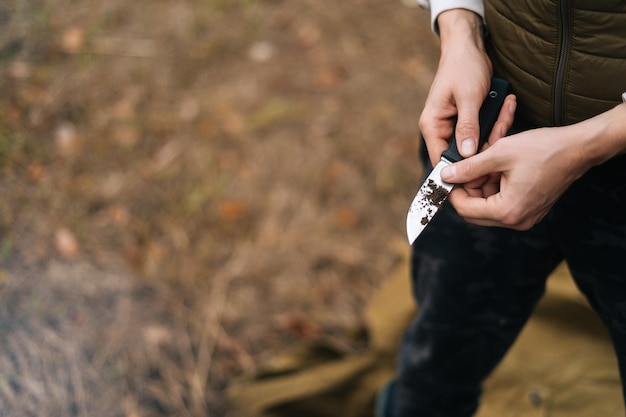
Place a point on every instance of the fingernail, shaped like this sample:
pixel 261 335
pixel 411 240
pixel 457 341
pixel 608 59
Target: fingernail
pixel 511 109
pixel 467 146
pixel 448 172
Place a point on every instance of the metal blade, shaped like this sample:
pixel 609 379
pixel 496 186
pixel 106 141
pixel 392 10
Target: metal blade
pixel 429 199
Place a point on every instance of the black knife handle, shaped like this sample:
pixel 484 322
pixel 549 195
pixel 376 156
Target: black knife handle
pixel 487 116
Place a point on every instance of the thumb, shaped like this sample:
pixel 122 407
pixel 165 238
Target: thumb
pixel 470 169
pixel 467 129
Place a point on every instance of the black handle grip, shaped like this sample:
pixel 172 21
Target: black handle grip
pixel 487 116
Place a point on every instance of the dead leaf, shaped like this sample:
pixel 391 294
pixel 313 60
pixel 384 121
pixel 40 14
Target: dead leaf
pixel 299 324
pixel 73 39
pixel 155 255
pixel 189 109
pixel 329 77
pixel 346 217
pixel 125 108
pixel 20 70
pixel 65 243
pixel 272 112
pixel 309 34
pixel 133 253
pixel 232 123
pixel 167 155
pixel 13 116
pixel 261 52
pixel 231 210
pixel 208 128
pixel 35 172
pixel 118 214
pixel 126 136
pixel 329 179
pixel 157 335
pixel 129 47
pixel 67 140
pixel 111 185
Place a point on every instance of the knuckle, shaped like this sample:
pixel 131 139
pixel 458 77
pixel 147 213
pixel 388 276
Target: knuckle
pixel 518 220
pixel 466 127
pixel 502 144
pixel 468 167
pixel 512 219
pixel 425 122
pixel 501 128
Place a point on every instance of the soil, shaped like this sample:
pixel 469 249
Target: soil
pixel 432 196
pixel 437 195
pixel 190 187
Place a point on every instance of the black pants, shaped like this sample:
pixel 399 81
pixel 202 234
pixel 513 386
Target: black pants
pixel 476 287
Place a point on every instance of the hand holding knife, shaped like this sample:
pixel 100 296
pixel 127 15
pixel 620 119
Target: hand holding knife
pixel 434 191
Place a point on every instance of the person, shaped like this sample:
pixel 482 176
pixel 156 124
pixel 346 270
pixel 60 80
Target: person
pixel 550 185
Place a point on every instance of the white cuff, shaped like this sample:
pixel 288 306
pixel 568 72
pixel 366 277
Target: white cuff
pixel 437 7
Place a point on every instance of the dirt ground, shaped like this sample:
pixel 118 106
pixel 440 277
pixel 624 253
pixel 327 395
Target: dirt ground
pixel 188 187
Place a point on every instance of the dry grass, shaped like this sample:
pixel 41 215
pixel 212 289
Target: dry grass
pixel 190 186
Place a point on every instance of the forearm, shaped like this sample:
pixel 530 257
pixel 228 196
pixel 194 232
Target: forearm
pixel 459 87
pixel 437 7
pixel 604 136
pixel 460 28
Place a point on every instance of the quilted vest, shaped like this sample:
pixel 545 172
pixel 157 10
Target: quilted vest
pixel 566 59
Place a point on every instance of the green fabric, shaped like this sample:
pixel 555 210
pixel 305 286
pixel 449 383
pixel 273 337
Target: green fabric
pixel 530 50
pixel 562 365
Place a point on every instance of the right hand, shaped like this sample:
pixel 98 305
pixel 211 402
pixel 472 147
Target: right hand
pixel 460 85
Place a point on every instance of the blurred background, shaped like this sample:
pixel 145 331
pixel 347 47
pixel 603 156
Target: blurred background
pixel 190 186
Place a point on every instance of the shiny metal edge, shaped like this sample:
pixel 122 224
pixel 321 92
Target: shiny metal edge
pixel 429 199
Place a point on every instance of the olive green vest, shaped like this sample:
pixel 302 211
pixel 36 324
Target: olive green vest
pixel 566 59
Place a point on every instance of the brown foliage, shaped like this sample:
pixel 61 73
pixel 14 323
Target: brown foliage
pixel 188 187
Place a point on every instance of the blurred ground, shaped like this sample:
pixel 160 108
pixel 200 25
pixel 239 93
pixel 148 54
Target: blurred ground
pixel 191 186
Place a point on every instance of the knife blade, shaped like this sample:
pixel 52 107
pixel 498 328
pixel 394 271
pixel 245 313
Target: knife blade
pixel 434 191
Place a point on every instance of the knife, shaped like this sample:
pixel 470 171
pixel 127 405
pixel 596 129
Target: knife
pixel 434 191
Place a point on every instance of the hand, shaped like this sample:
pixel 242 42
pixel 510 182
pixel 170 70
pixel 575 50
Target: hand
pixel 460 86
pixel 534 167
pixel 490 184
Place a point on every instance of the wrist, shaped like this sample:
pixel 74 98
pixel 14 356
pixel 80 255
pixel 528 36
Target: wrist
pixel 458 26
pixel 607 137
pixel 615 130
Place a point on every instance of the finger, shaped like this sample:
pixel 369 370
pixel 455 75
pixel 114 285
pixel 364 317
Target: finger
pixel 480 222
pixel 492 185
pixel 488 211
pixel 435 149
pixel 522 226
pixel 505 119
pixel 437 133
pixel 476 209
pixel 467 129
pixel 474 192
pixel 490 189
pixel 472 168
pixel 478 182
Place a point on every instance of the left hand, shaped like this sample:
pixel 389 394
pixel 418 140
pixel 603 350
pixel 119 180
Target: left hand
pixel 531 169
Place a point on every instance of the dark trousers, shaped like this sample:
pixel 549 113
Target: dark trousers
pixel 476 287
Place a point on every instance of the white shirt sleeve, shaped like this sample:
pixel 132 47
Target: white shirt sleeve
pixel 436 7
